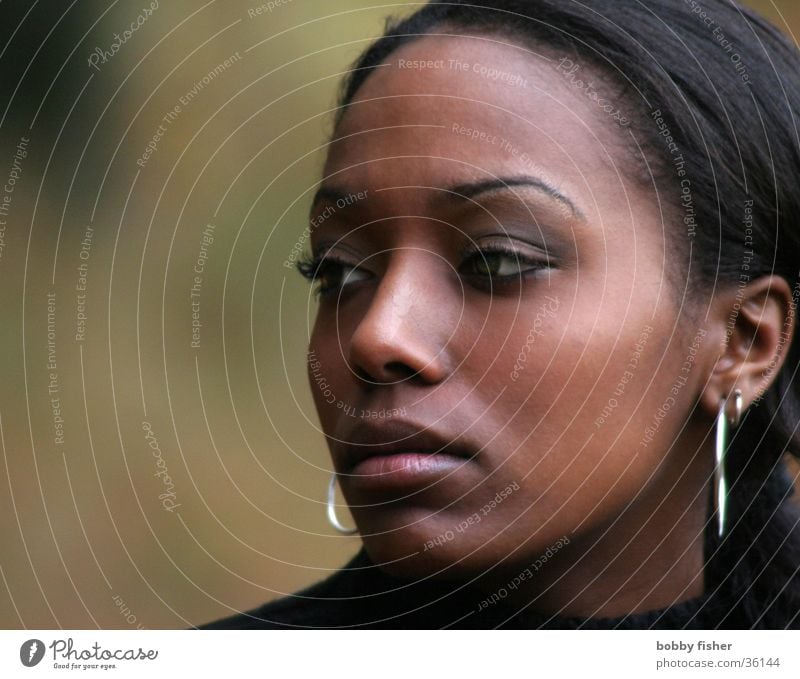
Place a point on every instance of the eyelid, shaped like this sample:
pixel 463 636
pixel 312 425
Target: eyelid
pixel 511 247
pixel 336 254
pixel 311 266
pixel 326 248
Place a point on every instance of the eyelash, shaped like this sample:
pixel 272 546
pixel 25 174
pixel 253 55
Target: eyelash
pixel 479 253
pixel 312 266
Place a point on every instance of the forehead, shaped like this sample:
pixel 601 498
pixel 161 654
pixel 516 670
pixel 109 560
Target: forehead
pixel 443 110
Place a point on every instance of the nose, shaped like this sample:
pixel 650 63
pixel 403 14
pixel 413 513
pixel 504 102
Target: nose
pixel 403 333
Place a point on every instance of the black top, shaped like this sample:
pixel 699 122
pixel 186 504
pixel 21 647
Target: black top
pixel 360 596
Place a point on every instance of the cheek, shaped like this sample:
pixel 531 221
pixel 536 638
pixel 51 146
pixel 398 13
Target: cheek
pixel 505 348
pixel 582 400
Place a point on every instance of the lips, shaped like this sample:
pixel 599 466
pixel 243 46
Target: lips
pixel 398 453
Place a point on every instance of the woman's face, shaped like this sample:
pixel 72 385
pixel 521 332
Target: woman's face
pixel 497 359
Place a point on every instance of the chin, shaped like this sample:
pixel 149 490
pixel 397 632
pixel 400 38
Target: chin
pixel 418 551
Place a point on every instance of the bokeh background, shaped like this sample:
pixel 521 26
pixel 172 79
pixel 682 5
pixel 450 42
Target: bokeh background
pixel 156 473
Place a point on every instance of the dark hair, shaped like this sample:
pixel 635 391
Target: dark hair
pixel 716 94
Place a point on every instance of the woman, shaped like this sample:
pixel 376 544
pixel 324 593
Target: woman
pixel 556 252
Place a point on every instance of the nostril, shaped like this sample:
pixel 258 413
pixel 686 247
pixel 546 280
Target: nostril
pixel 394 371
pixel 400 370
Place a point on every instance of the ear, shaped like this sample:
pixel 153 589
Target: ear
pixel 754 326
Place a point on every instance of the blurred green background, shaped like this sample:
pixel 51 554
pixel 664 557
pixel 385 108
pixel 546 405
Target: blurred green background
pixel 158 474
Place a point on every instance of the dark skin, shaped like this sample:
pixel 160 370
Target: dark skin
pixel 412 318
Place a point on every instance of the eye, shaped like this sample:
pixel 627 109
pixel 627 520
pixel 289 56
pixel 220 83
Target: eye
pixel 498 264
pixel 330 273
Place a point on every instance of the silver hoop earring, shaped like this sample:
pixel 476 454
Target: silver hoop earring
pixel 332 509
pixel 720 483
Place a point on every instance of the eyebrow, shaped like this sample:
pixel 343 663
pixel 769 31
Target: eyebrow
pixel 472 189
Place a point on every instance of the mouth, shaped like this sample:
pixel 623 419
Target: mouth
pixel 395 454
